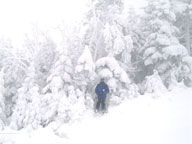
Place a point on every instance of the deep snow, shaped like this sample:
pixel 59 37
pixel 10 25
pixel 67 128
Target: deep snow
pixel 143 120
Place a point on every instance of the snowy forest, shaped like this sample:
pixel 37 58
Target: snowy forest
pixel 47 81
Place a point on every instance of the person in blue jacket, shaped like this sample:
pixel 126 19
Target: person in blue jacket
pixel 101 90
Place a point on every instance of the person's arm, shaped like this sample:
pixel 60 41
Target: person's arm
pixel 96 90
pixel 106 89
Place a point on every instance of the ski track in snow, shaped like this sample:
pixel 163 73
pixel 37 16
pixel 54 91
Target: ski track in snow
pixel 164 120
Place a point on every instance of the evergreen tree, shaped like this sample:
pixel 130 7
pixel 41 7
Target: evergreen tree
pixel 107 32
pixel 85 75
pixel 14 65
pixel 61 97
pixel 162 49
pixel 2 101
pixel 103 24
pixel 56 89
pixel 133 26
pixel 42 49
pixel 183 9
pixel 27 108
pixel 116 78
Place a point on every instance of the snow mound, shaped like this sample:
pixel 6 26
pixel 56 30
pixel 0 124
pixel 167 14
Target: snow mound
pixel 166 120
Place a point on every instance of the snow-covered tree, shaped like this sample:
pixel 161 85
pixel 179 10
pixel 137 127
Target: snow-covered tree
pixel 59 80
pixel 118 44
pixel 154 85
pixel 2 101
pixel 107 32
pixel 61 95
pixel 183 11
pixel 76 100
pixel 85 68
pixel 103 27
pixel 71 106
pixel 61 73
pixel 113 39
pixel 6 48
pixel 133 30
pixel 42 49
pixel 133 26
pixel 186 70
pixel 72 36
pixel 26 111
pixel 85 75
pixel 14 66
pixel 116 78
pixel 162 49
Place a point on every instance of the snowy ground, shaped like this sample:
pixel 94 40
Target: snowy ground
pixel 165 120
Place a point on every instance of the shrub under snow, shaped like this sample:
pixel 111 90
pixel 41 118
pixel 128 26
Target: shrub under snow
pixel 154 85
pixel 116 78
pixel 187 70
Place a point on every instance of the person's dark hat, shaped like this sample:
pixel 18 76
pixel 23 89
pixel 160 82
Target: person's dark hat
pixel 102 79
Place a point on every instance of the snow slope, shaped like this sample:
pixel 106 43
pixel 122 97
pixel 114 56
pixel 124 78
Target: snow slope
pixel 165 120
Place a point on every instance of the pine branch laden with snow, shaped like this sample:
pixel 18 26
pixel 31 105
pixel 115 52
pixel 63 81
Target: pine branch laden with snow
pixel 116 43
pixel 115 76
pixel 61 74
pixel 175 50
pixel 108 67
pixel 162 46
pixel 106 29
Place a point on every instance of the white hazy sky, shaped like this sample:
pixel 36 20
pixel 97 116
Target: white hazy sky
pixel 17 16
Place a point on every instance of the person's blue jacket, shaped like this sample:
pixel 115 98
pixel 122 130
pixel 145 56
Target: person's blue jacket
pixel 101 90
